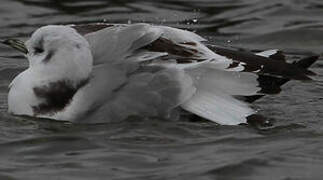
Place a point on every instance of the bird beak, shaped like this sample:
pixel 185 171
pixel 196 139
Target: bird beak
pixel 16 44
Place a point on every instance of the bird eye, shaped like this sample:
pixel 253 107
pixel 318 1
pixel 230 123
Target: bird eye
pixel 38 50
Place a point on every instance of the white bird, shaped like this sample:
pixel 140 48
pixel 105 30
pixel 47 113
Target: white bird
pixel 101 73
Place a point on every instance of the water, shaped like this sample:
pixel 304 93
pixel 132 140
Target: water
pixel 153 149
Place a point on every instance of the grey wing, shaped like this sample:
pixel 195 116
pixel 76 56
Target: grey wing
pixel 202 81
pixel 171 47
pixel 148 44
pixel 114 43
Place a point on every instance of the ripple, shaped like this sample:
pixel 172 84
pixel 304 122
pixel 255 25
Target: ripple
pixel 186 149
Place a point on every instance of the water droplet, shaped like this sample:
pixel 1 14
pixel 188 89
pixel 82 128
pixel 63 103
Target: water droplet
pixel 129 21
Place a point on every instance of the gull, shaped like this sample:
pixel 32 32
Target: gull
pixel 98 73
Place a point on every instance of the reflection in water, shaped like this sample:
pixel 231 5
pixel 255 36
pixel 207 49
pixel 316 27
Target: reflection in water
pixel 157 149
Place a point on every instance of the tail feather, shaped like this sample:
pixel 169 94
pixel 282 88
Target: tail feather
pixel 218 107
pixel 219 93
pixel 214 98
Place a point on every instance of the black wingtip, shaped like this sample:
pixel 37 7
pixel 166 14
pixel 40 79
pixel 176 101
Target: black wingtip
pixel 279 55
pixel 307 61
pixel 271 85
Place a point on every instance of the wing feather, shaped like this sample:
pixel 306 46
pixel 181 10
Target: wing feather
pixel 189 74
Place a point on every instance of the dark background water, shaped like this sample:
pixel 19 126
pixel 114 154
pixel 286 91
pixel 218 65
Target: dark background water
pixel 153 149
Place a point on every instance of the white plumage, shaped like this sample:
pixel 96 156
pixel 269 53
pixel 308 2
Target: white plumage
pixel 123 70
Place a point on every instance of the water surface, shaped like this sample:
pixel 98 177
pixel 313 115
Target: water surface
pixel 155 149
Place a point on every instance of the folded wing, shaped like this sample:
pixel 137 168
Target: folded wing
pixel 213 82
